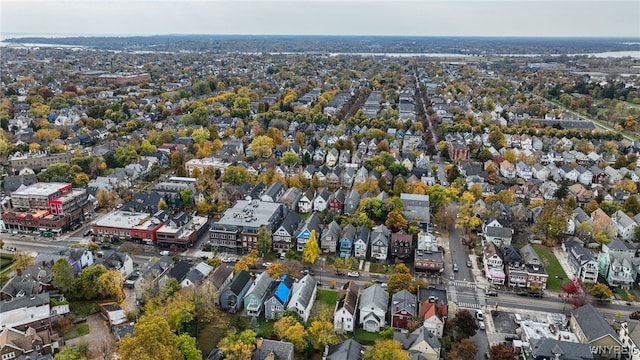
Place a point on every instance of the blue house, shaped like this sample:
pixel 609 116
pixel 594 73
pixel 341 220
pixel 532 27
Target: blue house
pixel 277 298
pixel 346 240
pixel 313 222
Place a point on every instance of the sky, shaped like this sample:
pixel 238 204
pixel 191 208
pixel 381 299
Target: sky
pixel 581 18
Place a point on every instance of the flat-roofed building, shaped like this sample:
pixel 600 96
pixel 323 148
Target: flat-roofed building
pixel 127 225
pixel 237 229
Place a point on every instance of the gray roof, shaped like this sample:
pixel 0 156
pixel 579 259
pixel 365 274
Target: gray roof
pixel 249 214
pixel 419 335
pixel 375 295
pixel 260 285
pixel 404 300
pixel 547 348
pixel 592 324
pixel 25 302
pixel 220 274
pixel 303 290
pixel 346 350
pixel 280 350
pixel 239 282
pixel 503 232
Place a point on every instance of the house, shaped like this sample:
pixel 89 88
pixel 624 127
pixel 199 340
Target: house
pixel 197 274
pixel 273 350
pixel 592 329
pixel 332 157
pixel 500 236
pixel 618 270
pixel 305 204
pixel 380 242
pixel 257 293
pixel 434 314
pixel 330 237
pixel 285 234
pixel 629 334
pixel 420 342
pixel 321 201
pixel 404 306
pixel 536 273
pixel 351 202
pixel 291 197
pixel 313 224
pixel 303 296
pixel 115 260
pixel 416 207
pixel 346 350
pixel 344 315
pixel 231 298
pixel 273 192
pixel 581 260
pixel 625 225
pixel 220 278
pixel 523 170
pixel 28 344
pixel 547 348
pixel 336 201
pixel 361 243
pixel 401 245
pixel 277 298
pixel 493 264
pixel 347 236
pixel 374 302
pixel 507 169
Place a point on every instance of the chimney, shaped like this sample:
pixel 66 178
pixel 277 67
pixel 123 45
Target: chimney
pixel 19 271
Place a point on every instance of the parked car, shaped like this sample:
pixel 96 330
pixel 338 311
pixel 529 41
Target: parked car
pixel 491 293
pixel 87 233
pixel 469 264
pixel 536 294
pixel 166 253
pixel 455 267
pixel 340 273
pixel 481 325
pixel 523 293
pixel 266 264
pixel 353 274
pixel 479 316
pixel 635 315
pixel 307 272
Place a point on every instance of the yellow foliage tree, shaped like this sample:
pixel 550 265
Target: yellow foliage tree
pixel 311 249
pixel 386 350
pixel 289 329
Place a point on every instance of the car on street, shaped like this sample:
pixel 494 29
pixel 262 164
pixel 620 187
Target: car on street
pixel 479 316
pixel 353 274
pixel 307 272
pixel 635 315
pixel 383 285
pixel 481 325
pixel 536 294
pixel 522 293
pixel 266 264
pixel 166 253
pixel 87 233
pixel 491 293
pixel 340 273
pixel 469 264
pixel 455 267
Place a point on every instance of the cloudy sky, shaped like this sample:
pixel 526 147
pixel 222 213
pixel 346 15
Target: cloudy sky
pixel 322 17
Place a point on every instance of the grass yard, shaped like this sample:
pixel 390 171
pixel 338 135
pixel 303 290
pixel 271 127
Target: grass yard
pixel 77 331
pixel 366 337
pixel 209 337
pixel 328 297
pixel 557 276
pixel 83 308
pixel 266 328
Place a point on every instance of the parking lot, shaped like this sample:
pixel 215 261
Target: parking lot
pixel 504 322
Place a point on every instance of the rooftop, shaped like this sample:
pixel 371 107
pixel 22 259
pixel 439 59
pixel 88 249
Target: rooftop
pixel 254 213
pixel 41 189
pixel 124 219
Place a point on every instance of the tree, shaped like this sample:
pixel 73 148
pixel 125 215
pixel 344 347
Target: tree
pixel 265 241
pixel 395 220
pixel 400 279
pixel 311 249
pixel 84 286
pixel 288 328
pixel 62 275
pixel 23 260
pixel 609 207
pixel 601 291
pixel 553 218
pixel 497 139
pixel 238 346
pixel 262 146
pixel 81 180
pixel 385 350
pixel 153 340
pixel 631 206
pixel 464 325
pixel 464 350
pixel 290 158
pixel 399 186
pixel 71 353
pixel 244 263
pixel 275 270
pixel 201 135
pixel 321 333
pixel 110 284
pixel 236 175
pixel 501 352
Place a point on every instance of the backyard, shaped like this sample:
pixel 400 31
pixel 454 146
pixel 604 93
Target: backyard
pixel 556 273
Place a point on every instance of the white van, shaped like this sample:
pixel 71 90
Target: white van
pixel 517 319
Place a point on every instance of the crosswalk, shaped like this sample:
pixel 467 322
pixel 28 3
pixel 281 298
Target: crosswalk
pixel 464 284
pixel 466 305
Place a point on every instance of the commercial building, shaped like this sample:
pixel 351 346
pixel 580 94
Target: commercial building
pixel 127 225
pixel 36 161
pixel 47 206
pixel 237 229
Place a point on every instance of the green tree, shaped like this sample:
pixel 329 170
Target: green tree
pixel 188 347
pixel 265 241
pixel 290 158
pixel 125 155
pixel 71 353
pixel 262 146
pixel 84 286
pixel 399 186
pixel 62 275
pixel 385 350
pixel 186 196
pixel 609 207
pixel 238 346
pixel 200 136
pixel 631 206
pixel 553 218
pixel 311 249
pixel 153 340
pixel 236 175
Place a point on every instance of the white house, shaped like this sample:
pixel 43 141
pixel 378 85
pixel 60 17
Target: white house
pixel 303 296
pixel 374 302
pixel 344 316
pixel 624 224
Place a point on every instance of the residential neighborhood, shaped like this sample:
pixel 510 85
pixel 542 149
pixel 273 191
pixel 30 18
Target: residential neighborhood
pixel 294 205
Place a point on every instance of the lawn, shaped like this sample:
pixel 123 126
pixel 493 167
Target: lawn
pixel 366 337
pixel 77 331
pixel 209 337
pixel 328 297
pixel 626 295
pixel 557 276
pixel 266 328
pixel 83 308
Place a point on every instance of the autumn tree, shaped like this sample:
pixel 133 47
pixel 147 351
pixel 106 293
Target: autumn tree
pixel 497 139
pixel 464 350
pixel 601 291
pixel 464 324
pixel 62 275
pixel 265 241
pixel 553 218
pixel 238 346
pixel 311 249
pixel 262 146
pixel 501 352
pixel 395 220
pixel 290 329
pixel 321 333
pixel 23 260
pixel 290 158
pixel 109 285
pixel 385 350
pixel 153 340
pixel 400 279
pixel 275 270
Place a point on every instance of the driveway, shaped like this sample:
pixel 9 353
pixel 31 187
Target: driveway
pixel 101 341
